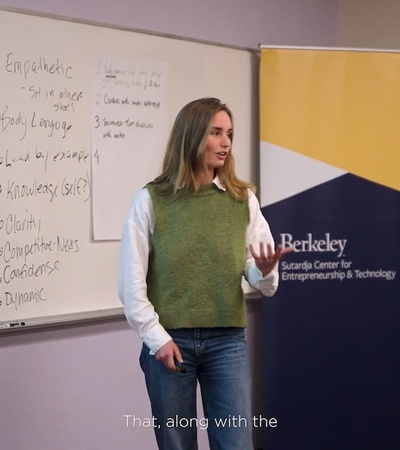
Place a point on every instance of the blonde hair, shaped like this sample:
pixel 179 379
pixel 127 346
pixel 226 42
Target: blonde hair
pixel 184 155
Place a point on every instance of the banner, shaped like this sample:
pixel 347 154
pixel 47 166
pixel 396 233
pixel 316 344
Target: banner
pixel 330 188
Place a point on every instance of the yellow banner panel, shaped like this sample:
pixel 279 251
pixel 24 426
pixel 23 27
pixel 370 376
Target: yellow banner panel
pixel 339 107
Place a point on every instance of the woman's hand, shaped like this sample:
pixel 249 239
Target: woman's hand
pixel 167 355
pixel 266 260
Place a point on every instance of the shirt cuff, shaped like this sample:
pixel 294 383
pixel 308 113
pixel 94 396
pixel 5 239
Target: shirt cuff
pixel 254 275
pixel 156 338
pixel 267 284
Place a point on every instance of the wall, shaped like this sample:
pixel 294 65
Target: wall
pixel 69 387
pixel 369 24
pixel 230 22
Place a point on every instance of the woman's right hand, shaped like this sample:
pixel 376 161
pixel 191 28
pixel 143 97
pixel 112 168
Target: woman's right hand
pixel 167 355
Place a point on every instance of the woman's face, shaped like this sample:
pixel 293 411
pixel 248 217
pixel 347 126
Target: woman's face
pixel 218 143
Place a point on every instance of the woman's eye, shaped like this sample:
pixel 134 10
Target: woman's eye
pixel 220 133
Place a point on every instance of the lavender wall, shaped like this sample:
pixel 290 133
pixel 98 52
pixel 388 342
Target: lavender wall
pixel 69 387
pixel 243 23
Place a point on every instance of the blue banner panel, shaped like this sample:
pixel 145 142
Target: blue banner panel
pixel 332 331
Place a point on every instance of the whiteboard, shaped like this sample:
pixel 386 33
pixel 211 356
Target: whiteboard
pixel 51 268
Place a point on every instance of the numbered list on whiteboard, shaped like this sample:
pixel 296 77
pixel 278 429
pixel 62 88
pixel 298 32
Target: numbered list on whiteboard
pixel 128 136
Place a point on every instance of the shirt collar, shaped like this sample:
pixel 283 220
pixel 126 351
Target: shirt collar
pixel 218 183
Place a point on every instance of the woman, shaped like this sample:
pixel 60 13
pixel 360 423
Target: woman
pixel 189 237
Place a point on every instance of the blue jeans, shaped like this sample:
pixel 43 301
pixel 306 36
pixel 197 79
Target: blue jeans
pixel 217 359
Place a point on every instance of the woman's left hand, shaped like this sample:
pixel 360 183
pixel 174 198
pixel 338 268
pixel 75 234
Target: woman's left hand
pixel 266 260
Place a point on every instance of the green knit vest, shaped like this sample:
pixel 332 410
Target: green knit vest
pixel 197 259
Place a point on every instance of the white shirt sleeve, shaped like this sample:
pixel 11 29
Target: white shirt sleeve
pixel 259 231
pixel 133 265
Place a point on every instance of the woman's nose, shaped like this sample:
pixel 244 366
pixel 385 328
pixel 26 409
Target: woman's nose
pixel 226 141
